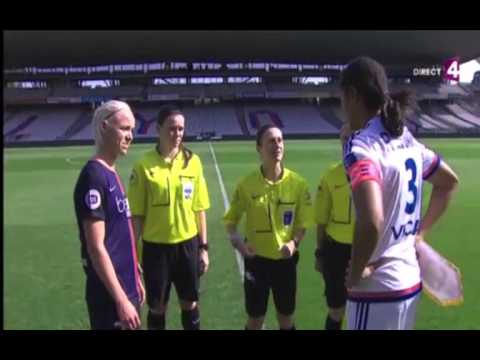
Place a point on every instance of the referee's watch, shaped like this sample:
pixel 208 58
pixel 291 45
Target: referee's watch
pixel 203 246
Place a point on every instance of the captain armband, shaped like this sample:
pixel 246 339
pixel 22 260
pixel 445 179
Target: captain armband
pixel 364 170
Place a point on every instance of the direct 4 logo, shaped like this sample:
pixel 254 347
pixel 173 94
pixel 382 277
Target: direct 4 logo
pixel 451 69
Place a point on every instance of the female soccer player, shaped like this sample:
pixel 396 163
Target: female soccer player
pixel 386 167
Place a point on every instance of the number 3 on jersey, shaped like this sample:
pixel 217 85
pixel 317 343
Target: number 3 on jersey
pixel 412 185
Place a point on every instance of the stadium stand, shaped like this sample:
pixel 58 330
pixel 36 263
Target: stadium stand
pixel 331 112
pixel 438 112
pixel 471 106
pixel 457 110
pixel 430 124
pixel 43 124
pixel 114 92
pixel 239 96
pixel 300 119
pixel 26 96
pixel 452 90
pixel 234 118
pixel 82 122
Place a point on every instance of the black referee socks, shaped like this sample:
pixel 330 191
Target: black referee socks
pixel 191 319
pixel 155 321
pixel 331 324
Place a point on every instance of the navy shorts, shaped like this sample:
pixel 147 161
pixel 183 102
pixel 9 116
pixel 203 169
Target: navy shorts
pixel 102 310
pixel 261 275
pixel 164 264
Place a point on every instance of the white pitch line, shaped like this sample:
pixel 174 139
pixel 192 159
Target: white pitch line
pixel 226 204
pixel 72 162
pixel 68 160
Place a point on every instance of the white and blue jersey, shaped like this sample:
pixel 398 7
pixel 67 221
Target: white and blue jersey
pixel 399 165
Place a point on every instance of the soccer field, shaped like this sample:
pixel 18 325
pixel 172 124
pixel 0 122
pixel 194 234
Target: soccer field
pixel 44 280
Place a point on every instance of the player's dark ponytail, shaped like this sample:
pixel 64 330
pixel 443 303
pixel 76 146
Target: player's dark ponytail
pixel 369 79
pixel 163 115
pixel 393 111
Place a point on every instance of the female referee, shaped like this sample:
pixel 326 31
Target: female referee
pixel 278 208
pixel 168 197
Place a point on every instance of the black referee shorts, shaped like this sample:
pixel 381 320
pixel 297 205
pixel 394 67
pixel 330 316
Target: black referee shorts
pixel 166 264
pixel 261 275
pixel 335 263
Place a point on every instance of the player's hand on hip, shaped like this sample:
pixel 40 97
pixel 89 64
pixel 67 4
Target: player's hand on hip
pixel 288 249
pixel 419 238
pixel 350 281
pixel 204 261
pixel 128 315
pixel 367 271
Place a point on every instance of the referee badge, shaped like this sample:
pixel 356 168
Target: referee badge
pixel 287 217
pixel 187 190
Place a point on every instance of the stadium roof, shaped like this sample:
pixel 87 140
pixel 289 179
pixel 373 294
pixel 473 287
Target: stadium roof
pixel 64 48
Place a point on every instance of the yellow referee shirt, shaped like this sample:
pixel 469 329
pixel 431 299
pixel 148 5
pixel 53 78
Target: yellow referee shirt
pixel 168 196
pixel 333 205
pixel 274 210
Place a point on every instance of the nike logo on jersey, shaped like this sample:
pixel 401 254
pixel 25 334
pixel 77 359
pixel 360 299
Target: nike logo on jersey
pixel 112 188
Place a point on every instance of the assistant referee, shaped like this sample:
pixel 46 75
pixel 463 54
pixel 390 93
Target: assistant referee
pixel 335 218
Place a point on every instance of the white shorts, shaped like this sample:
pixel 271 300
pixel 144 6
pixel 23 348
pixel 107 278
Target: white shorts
pixel 397 315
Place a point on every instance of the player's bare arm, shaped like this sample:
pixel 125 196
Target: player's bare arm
pixel 95 235
pixel 202 233
pixel 237 241
pixel 444 182
pixel 321 236
pixel 368 201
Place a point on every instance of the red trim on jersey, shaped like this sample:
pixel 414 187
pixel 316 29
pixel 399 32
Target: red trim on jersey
pixel 132 238
pixel 103 163
pixel 433 166
pixel 364 170
pixel 385 294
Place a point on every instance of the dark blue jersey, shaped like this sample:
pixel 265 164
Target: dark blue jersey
pixel 99 194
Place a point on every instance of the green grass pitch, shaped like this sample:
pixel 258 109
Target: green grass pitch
pixel 44 280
